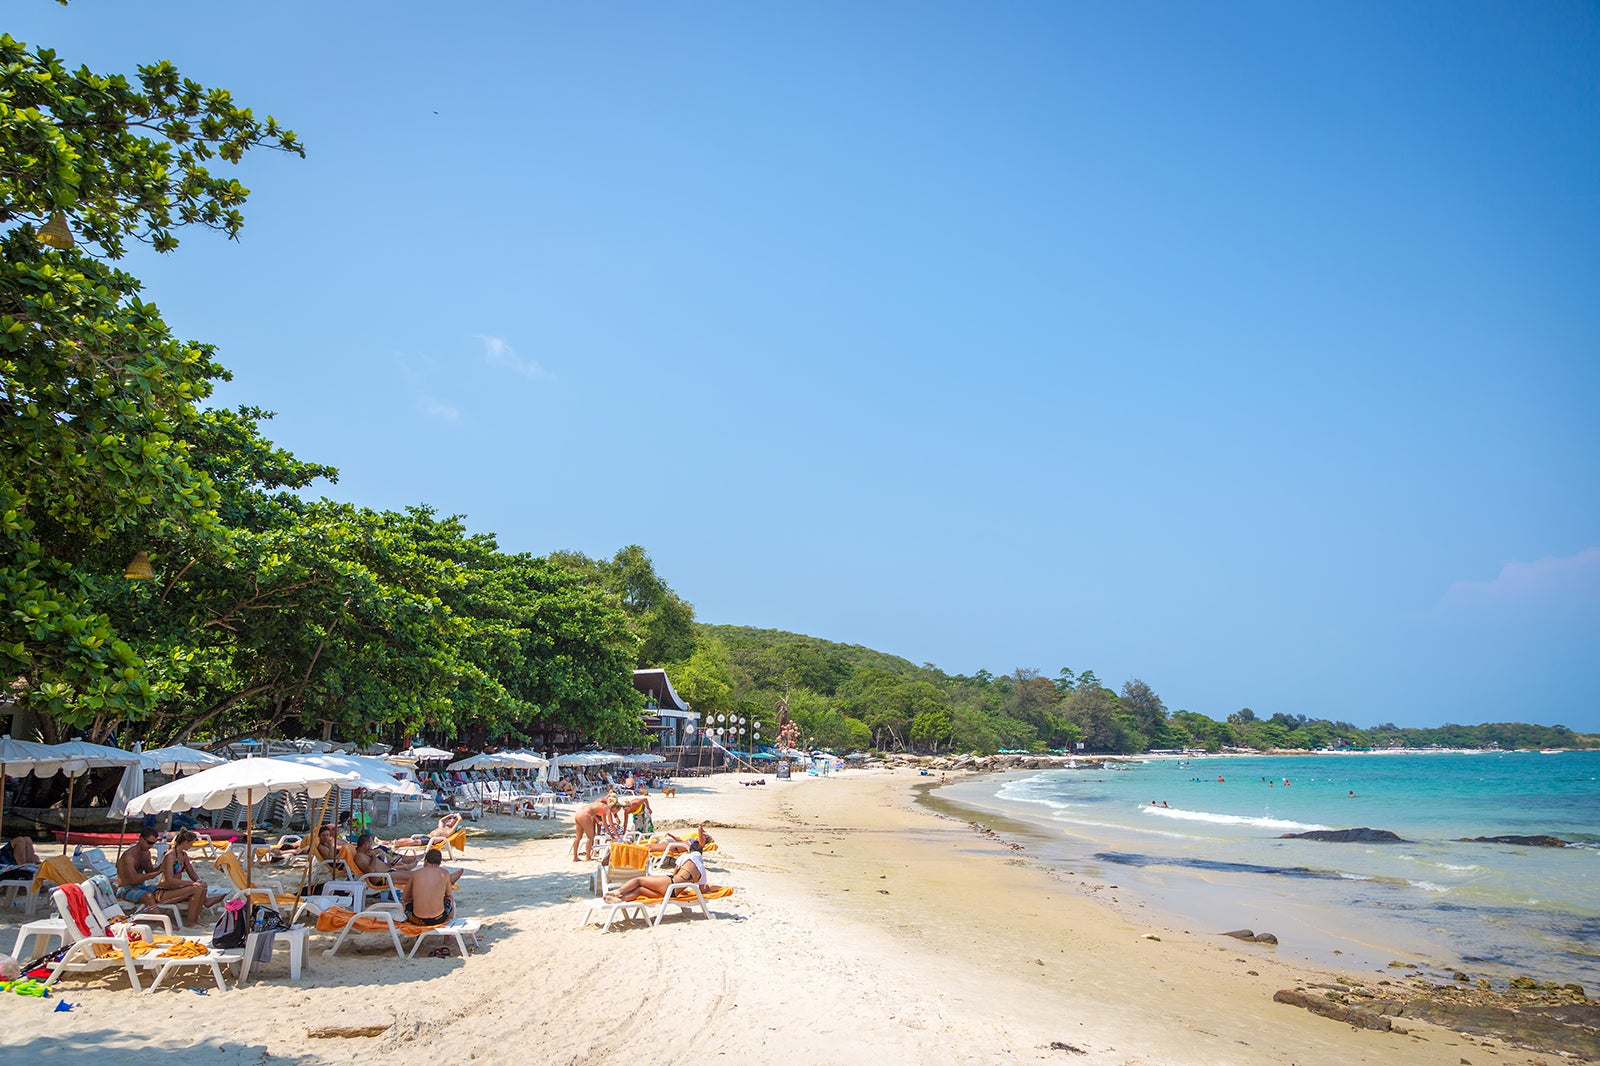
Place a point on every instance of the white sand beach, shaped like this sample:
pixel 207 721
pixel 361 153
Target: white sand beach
pixel 862 930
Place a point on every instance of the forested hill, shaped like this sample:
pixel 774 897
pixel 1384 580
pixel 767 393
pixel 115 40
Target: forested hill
pixel 773 657
pixel 845 696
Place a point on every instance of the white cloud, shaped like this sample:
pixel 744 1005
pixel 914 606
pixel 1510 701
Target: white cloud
pixel 1571 579
pixel 499 353
pixel 438 409
pixel 419 374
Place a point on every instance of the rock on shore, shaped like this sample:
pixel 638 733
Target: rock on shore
pixel 1362 835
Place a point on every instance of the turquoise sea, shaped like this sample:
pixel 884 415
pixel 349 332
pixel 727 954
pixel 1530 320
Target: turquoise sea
pixel 1213 857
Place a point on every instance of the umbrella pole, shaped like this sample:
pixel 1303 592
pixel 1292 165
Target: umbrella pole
pixel 3 837
pixel 249 837
pixel 70 782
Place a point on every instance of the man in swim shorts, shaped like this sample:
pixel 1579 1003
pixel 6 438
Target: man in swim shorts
pixel 137 867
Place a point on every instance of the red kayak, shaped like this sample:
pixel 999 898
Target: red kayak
pixel 100 840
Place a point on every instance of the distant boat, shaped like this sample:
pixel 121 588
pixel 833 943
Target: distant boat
pixel 1552 751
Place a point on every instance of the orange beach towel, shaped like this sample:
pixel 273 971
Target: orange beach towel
pixel 714 892
pixel 335 918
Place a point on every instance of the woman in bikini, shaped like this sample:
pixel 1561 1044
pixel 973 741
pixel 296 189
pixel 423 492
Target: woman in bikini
pixel 691 869
pixel 600 814
pixel 175 888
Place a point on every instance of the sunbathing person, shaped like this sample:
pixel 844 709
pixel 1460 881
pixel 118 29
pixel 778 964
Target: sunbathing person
pixel 601 814
pixel 326 848
pixel 674 843
pixel 429 893
pixel 691 869
pixel 447 826
pixel 279 854
pixel 368 860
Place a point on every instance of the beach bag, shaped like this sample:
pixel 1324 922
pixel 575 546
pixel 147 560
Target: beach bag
pixel 231 931
pixel 267 919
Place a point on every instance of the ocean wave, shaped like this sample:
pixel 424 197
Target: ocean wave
pixel 1429 886
pixel 1231 819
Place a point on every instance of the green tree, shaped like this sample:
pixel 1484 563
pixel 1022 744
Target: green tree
pixel 1145 709
pixel 96 395
pixel 931 727
pixel 663 621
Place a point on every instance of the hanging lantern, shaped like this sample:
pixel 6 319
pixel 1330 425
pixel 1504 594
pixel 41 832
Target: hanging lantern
pixel 139 568
pixel 55 232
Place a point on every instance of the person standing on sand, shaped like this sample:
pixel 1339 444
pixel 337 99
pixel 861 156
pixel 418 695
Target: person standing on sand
pixel 587 819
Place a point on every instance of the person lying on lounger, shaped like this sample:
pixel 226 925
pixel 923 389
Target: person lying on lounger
pixel 428 894
pixel 673 843
pixel 447 825
pixel 368 860
pixel 691 869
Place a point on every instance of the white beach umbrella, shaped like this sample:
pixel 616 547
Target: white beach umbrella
pixel 77 757
pixel 177 757
pixel 238 782
pixel 645 757
pixel 528 760
pixel 371 775
pixel 19 758
pixel 424 754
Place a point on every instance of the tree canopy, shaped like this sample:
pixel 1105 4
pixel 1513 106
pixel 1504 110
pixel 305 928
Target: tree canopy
pixel 268 611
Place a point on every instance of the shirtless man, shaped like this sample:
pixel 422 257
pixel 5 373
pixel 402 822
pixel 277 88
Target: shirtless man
pixel 136 867
pixel 179 880
pixel 428 893
pixel 588 818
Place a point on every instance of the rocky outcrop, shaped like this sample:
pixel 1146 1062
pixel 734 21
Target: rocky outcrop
pixel 1254 938
pixel 1530 1028
pixel 1527 842
pixel 1331 1008
pixel 1540 1015
pixel 1342 836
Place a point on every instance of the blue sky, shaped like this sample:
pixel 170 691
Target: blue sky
pixel 1249 349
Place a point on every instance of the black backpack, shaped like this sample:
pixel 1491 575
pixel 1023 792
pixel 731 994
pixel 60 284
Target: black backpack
pixel 231 928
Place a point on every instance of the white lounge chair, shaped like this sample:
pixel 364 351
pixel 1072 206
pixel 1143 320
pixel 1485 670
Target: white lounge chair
pixel 83 951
